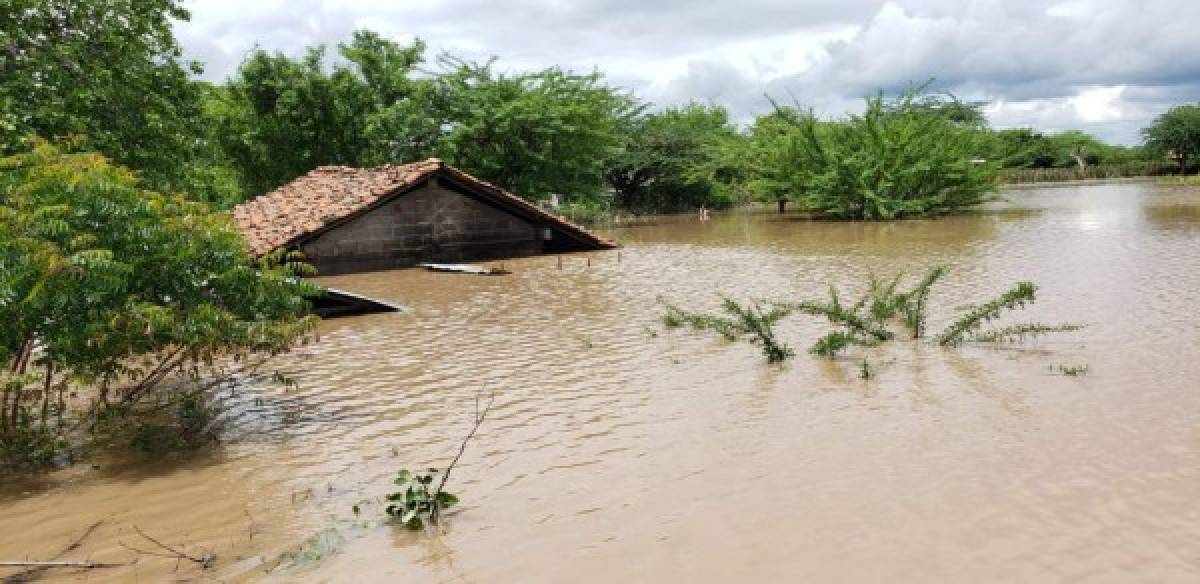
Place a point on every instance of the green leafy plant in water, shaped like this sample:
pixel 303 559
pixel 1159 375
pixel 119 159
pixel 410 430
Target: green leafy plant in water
pixel 856 328
pixel 866 322
pixel 902 157
pixel 1019 332
pixel 960 330
pixel 417 500
pixel 915 301
pixel 752 321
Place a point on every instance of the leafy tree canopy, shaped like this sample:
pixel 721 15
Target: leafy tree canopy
pixel 110 70
pixel 536 134
pixel 670 160
pixel 1176 133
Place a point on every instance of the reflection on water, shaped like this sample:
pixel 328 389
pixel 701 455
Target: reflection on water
pixel 620 452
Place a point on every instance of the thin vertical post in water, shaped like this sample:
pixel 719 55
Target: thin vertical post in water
pixel 560 262
pixel 618 257
pixel 589 261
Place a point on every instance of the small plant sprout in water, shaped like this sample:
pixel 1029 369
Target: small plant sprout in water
pixel 417 499
pixel 866 370
pixel 419 502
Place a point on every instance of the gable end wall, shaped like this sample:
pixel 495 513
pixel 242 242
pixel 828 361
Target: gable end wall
pixel 428 224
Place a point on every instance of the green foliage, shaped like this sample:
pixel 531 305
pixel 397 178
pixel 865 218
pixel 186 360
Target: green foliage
pixel 1025 148
pixel 669 161
pixel 1018 296
pixel 537 134
pixel 967 114
pixel 1021 331
pixel 1092 172
pixel 280 117
pixel 752 322
pixel 28 444
pixel 900 158
pixel 856 328
pixel 1176 133
pixel 1180 181
pixel 417 500
pixel 110 70
pixel 108 290
pixel 916 301
pixel 865 323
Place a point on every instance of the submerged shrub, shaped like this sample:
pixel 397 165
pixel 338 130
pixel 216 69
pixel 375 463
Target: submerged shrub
pixel 1019 332
pixel 856 328
pixel 752 322
pixel 966 327
pixel 976 316
pixel 866 322
pixel 916 299
pixel 900 158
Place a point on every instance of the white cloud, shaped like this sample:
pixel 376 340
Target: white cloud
pixel 1106 66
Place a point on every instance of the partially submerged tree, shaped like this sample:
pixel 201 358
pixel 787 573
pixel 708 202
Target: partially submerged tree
pixel 131 300
pixel 900 158
pixel 668 160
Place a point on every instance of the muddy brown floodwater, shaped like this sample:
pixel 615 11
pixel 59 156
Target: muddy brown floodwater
pixel 619 452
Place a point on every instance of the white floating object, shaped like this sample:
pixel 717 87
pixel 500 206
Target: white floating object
pixel 464 269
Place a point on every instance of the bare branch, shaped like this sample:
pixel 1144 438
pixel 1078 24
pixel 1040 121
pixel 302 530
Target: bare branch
pixel 36 568
pixel 480 415
pixel 204 561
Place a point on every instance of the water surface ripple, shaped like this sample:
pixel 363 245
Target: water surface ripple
pixel 618 451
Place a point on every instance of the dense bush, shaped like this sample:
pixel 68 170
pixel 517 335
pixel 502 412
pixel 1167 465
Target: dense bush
pixel 898 159
pixel 119 302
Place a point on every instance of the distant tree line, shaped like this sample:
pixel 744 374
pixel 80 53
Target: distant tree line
pixel 113 73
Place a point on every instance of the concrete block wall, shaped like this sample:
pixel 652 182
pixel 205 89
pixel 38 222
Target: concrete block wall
pixel 430 223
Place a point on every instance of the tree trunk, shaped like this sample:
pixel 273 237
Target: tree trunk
pixel 1077 154
pixel 46 395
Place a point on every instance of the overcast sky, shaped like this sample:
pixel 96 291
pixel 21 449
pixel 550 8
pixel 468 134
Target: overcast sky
pixel 1104 66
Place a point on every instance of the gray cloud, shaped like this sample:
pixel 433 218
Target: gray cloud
pixel 1107 66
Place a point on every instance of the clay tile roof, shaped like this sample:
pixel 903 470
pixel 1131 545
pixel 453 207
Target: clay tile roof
pixel 330 194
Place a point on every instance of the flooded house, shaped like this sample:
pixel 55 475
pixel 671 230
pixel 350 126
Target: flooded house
pixel 362 219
